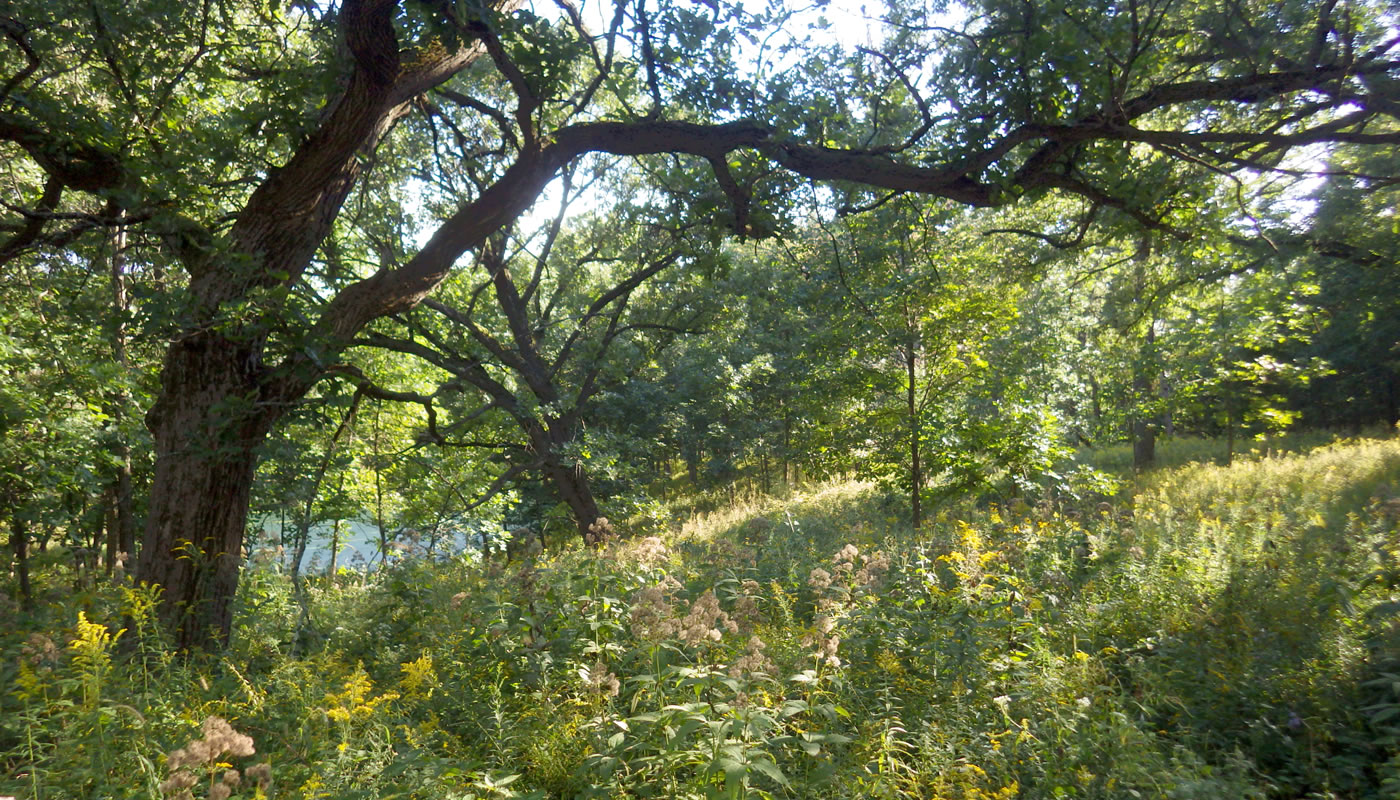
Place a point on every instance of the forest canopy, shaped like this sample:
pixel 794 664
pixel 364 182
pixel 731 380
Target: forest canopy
pixel 496 264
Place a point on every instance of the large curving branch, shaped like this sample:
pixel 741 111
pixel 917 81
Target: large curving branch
pixel 961 180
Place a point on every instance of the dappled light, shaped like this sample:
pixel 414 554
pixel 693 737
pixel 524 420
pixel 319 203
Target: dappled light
pixel 969 400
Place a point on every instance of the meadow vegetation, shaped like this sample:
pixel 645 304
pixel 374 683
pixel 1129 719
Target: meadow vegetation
pixel 1206 631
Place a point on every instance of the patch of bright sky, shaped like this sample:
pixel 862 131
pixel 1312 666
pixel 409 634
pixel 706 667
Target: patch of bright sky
pixel 847 23
pixel 851 24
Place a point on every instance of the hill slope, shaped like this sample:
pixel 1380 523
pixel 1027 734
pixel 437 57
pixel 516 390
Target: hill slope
pixel 1218 632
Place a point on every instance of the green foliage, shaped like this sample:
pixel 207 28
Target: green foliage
pixel 1213 632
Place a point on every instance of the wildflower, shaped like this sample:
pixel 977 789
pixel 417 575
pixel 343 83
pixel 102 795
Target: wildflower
pixel 746 611
pixel 753 661
pixel 873 570
pixel 206 755
pixel 526 579
pixel 652 610
pixel 261 774
pixel 119 565
pixel 600 533
pixel 704 622
pixel 178 784
pixel 819 579
pixel 823 644
pixel 355 703
pixel 39 650
pixel 599 681
pixel 723 551
pixel 845 559
pixel 419 677
pixel 651 550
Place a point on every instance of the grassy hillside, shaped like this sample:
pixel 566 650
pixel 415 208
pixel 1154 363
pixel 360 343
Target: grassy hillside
pixel 1212 632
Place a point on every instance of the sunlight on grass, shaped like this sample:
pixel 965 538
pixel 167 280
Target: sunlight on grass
pixel 1213 632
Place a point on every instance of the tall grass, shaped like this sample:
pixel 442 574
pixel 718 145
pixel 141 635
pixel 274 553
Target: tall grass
pixel 1213 632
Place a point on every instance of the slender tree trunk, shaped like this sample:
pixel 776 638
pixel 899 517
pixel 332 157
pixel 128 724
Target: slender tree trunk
pixel 916 475
pixel 571 482
pixel 307 516
pixel 1143 426
pixel 787 449
pixel 1096 403
pixel 19 543
pixel 303 533
pixel 379 497
pixel 1229 433
pixel 109 557
pixel 122 533
pixel 1392 402
pixel 1144 439
pixel 335 547
pixel 1164 391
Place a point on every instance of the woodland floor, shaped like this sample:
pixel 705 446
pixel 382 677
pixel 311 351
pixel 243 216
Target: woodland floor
pixel 1207 631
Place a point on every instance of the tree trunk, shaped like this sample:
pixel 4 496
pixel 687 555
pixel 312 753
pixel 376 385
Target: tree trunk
pixel 122 533
pixel 303 535
pixel 205 424
pixel 1229 433
pixel 571 482
pixel 308 510
pixel 1144 428
pixel 1392 402
pixel 335 547
pixel 19 543
pixel 916 475
pixel 379 496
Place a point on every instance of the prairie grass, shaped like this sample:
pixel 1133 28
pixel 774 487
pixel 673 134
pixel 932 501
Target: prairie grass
pixel 1212 632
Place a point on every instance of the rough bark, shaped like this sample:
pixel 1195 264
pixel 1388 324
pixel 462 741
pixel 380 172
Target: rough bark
pixel 205 429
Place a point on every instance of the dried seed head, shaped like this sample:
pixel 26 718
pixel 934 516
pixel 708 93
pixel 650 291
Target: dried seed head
pixel 178 781
pixel 602 682
pixel 39 650
pixel 600 532
pixel 260 774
